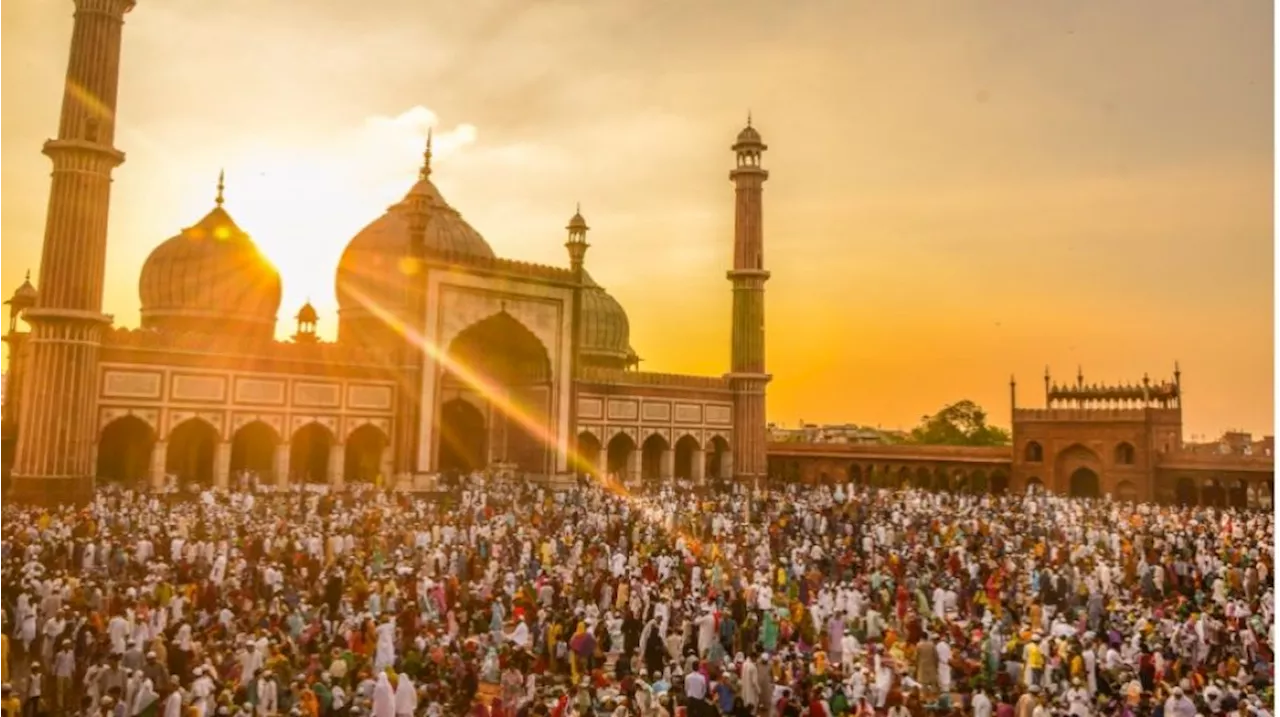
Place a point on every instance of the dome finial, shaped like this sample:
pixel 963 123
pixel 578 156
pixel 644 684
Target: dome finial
pixel 426 159
pixel 222 184
pixel 748 118
pixel 28 276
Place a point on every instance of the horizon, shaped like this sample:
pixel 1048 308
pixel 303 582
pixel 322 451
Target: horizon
pixel 1057 184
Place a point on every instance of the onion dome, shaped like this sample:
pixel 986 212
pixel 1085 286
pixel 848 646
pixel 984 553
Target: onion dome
pixel 372 278
pixel 210 279
pixel 307 314
pixel 604 334
pixel 24 297
pixel 749 136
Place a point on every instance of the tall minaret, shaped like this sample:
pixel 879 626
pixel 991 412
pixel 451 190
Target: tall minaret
pixel 57 428
pixel 747 378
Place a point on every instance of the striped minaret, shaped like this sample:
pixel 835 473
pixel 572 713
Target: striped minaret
pixel 57 428
pixel 747 377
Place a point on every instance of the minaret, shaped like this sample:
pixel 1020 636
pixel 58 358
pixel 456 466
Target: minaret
pixel 577 246
pixel 57 429
pixel 747 378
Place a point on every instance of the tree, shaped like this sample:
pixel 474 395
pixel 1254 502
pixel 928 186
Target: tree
pixel 963 423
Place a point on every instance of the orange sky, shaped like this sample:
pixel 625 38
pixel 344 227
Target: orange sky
pixel 959 191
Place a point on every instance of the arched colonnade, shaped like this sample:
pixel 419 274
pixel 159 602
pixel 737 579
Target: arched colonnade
pixel 196 451
pixel 654 457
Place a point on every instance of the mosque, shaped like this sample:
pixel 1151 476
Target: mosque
pixel 448 357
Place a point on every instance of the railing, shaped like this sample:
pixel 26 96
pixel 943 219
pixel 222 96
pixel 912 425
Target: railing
pixel 506 266
pixel 147 340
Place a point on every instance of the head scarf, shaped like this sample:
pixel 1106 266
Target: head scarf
pixel 384 699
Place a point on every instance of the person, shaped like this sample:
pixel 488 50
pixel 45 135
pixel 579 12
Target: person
pixel 980 703
pixel 10 705
pixel 249 599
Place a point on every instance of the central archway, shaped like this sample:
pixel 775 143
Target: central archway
pixel 192 445
pixel 124 451
pixel 500 359
pixel 1084 484
pixel 1076 472
pixel 464 439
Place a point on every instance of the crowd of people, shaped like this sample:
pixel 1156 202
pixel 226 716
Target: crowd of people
pixel 506 599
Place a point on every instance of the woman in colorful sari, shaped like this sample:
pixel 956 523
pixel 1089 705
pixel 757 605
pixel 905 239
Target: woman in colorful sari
pixel 769 632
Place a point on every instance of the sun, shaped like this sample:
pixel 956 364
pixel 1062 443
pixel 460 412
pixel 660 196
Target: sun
pixel 301 206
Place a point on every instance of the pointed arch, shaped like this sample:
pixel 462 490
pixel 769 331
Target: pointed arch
pixel 999 483
pixel 501 351
pixel 718 457
pixel 1126 492
pixel 1072 469
pixel 652 453
pixel 309 450
pixel 619 457
pixel 192 445
pixel 124 451
pixel 499 348
pixel 253 449
pixel 586 458
pixel 1084 483
pixel 362 453
pixel 1033 452
pixel 688 453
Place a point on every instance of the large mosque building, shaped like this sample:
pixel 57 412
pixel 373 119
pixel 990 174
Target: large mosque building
pixel 450 358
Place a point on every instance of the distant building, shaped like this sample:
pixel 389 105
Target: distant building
pixel 1089 440
pixel 850 433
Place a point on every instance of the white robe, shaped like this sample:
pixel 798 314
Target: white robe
pixel 384 698
pixel 406 697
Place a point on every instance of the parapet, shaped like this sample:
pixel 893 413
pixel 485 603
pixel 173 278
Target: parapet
pixel 609 376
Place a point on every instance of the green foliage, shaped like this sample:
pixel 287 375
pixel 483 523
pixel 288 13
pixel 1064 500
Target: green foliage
pixel 963 423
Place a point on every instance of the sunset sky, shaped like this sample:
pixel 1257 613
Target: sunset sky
pixel 959 191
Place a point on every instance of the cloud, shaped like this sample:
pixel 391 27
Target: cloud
pixel 411 126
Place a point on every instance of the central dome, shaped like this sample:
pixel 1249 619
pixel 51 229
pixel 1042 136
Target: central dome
pixel 371 275
pixel 210 278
